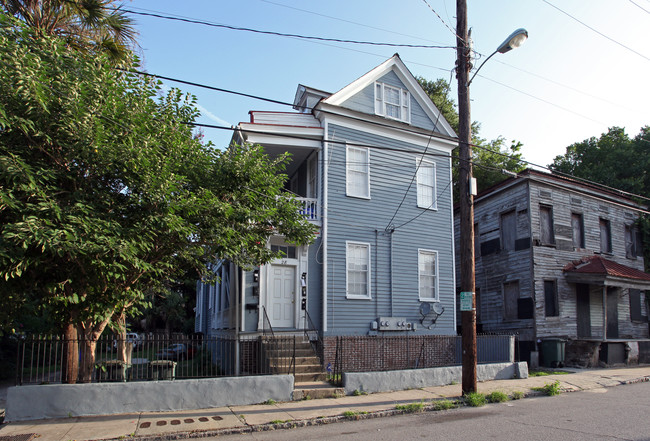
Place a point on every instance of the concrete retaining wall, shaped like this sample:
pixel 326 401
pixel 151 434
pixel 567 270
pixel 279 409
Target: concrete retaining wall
pixel 64 400
pixel 371 382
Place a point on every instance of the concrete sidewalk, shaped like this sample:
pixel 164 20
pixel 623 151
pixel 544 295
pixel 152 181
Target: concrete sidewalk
pixel 239 419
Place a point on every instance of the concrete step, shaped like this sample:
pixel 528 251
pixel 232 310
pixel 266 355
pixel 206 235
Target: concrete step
pixel 303 377
pixel 285 361
pixel 316 390
pixel 299 368
pixel 289 352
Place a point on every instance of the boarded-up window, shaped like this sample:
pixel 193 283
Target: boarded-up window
pixel 508 230
pixel 510 297
pixel 547 234
pixel 550 298
pixel 605 237
pixel 577 225
pixel 637 306
pixel 633 242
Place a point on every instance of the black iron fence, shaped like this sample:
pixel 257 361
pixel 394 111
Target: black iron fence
pixel 384 353
pixel 52 359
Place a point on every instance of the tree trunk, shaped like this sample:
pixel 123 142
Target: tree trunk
pixel 70 362
pixel 120 321
pixel 90 333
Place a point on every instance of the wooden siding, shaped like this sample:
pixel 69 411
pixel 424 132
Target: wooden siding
pixel 365 220
pixel 364 101
pixel 284 119
pixel 496 266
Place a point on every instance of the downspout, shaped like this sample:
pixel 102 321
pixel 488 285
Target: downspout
pixel 324 218
pixel 235 269
pixel 391 231
pixel 375 273
pixel 604 312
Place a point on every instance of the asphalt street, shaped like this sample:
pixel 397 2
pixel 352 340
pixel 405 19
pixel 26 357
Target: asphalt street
pixel 618 413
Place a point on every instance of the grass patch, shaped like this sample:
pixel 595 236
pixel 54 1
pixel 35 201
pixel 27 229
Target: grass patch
pixel 550 389
pixel 475 399
pixel 411 407
pixel 544 373
pixel 518 395
pixel 350 414
pixel 279 421
pixel 358 392
pixel 497 397
pixel 445 405
pixel 270 401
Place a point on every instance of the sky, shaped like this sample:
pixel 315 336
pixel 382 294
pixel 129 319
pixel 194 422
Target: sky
pixel 568 82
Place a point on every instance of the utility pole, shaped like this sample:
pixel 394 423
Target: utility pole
pixel 467 283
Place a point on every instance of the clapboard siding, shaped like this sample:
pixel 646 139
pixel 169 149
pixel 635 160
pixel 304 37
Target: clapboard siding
pixel 364 101
pixel 545 261
pixel 366 220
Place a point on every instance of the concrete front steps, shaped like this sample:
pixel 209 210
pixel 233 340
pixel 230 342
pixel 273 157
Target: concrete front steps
pixel 316 389
pixel 310 381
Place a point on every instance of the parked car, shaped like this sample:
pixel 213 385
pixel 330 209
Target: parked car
pixel 131 337
pixel 176 352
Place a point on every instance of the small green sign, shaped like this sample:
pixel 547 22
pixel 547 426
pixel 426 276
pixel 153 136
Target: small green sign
pixel 466 301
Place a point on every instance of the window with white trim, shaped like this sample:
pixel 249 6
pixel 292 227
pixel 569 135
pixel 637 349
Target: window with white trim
pixel 392 102
pixel 428 275
pixel 426 184
pixel 357 270
pixel 358 172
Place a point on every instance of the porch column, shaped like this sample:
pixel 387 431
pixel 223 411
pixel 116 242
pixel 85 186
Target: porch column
pixel 604 312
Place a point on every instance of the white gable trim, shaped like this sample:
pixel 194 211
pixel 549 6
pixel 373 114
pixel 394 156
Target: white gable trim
pixel 422 139
pixel 406 77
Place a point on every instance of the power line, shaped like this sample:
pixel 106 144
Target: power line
pixel 595 30
pixel 453 32
pixel 639 6
pixel 404 129
pixel 282 34
pixel 346 21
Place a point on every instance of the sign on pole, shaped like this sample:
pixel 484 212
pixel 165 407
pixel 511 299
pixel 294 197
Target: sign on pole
pixel 466 301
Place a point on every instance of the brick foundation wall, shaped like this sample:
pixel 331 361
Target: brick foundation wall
pixel 381 353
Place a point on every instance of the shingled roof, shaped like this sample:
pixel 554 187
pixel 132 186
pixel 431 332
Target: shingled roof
pixel 598 265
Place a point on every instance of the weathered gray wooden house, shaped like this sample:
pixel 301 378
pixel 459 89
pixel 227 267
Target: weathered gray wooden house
pixel 371 164
pixel 561 259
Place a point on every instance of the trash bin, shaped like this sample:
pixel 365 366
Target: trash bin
pixel 552 351
pixel 113 370
pixel 162 370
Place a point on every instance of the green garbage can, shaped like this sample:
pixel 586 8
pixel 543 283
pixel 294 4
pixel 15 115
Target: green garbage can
pixel 553 352
pixel 162 370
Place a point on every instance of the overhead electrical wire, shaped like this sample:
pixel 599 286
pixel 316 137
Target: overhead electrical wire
pixel 283 34
pixel 404 129
pixel 596 30
pixel 639 6
pixel 453 32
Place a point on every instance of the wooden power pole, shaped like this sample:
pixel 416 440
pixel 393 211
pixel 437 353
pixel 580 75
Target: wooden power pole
pixel 467 284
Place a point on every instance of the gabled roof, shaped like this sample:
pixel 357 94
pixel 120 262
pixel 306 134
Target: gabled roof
pixel 598 265
pixel 396 65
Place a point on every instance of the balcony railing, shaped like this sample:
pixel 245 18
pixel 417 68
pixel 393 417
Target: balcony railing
pixel 310 209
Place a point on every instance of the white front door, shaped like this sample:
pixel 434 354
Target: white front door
pixel 283 294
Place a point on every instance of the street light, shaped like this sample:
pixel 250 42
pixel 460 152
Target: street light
pixel 467 282
pixel 516 39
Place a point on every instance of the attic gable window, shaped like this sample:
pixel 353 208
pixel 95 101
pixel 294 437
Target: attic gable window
pixel 392 102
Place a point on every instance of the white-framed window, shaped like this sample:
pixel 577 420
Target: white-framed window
pixel 357 172
pixel 392 102
pixel 426 184
pixel 357 273
pixel 428 275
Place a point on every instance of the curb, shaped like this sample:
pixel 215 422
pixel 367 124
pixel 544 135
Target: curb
pixel 430 407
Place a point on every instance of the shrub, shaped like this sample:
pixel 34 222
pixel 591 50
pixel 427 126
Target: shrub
pixel 445 405
pixel 475 399
pixel 497 397
pixel 518 395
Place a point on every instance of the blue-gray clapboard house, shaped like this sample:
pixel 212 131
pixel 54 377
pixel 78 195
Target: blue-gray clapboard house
pixel 371 164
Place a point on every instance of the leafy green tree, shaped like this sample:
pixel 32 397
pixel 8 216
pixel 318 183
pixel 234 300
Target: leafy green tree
pixel 95 25
pixel 615 160
pixel 104 190
pixel 489 157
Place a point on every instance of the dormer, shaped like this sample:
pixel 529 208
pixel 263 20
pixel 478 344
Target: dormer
pixel 307 97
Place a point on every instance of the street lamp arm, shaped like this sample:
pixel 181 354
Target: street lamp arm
pixel 479 68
